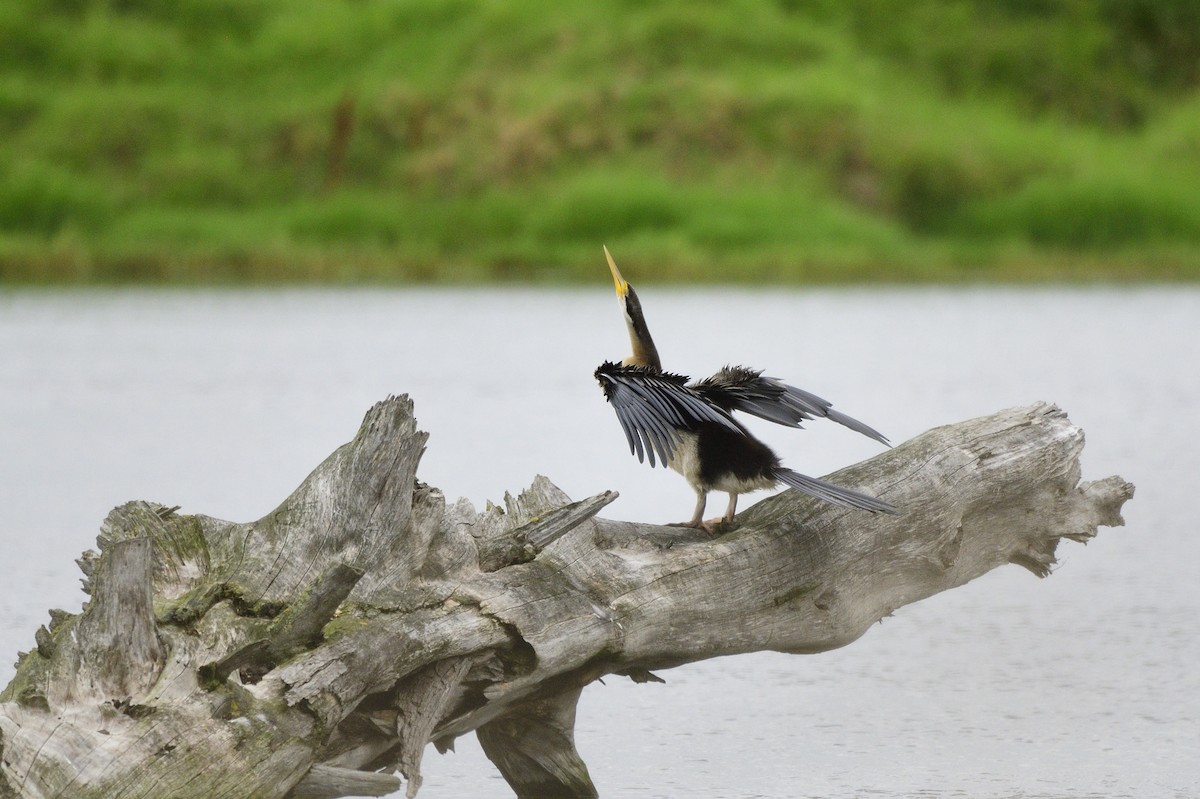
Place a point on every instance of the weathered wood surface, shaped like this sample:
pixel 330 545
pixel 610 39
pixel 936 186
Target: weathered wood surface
pixel 317 651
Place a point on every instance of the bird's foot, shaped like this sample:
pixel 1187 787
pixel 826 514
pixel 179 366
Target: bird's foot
pixel 710 526
pixel 694 524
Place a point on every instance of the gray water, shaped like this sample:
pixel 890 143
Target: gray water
pixel 1081 685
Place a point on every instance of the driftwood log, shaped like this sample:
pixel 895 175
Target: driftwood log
pixel 317 651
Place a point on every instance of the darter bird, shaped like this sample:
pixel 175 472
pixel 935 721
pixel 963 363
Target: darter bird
pixel 691 428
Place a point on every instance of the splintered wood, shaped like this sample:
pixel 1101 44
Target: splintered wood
pixel 317 651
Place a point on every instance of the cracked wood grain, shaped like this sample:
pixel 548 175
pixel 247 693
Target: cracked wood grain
pixel 317 651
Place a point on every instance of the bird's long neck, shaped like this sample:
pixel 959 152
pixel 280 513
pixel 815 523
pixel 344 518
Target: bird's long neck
pixel 644 351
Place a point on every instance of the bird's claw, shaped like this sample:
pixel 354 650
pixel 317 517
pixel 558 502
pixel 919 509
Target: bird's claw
pixel 710 526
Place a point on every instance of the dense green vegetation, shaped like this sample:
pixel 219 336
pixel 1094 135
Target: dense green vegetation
pixel 833 140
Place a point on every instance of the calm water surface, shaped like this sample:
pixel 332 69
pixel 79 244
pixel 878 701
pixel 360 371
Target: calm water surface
pixel 1082 685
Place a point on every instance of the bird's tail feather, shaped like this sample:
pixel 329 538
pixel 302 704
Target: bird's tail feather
pixel 837 495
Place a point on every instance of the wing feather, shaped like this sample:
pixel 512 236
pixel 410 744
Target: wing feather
pixel 738 388
pixel 653 406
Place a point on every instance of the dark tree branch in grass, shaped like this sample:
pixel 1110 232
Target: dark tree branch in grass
pixel 317 651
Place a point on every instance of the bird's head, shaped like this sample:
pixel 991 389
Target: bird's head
pixel 644 351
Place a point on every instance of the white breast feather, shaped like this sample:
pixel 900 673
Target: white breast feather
pixel 686 461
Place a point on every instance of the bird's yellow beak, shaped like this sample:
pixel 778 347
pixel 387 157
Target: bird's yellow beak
pixel 620 282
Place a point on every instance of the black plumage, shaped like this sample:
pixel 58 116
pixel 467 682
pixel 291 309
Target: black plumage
pixel 690 427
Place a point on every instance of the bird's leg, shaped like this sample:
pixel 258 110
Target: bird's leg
pixel 732 509
pixel 697 519
pixel 729 512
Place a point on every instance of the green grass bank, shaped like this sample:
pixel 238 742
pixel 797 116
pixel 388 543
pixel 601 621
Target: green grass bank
pixel 233 141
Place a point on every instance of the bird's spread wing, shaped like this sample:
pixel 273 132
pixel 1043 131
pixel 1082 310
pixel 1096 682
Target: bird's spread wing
pixel 738 388
pixel 652 406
